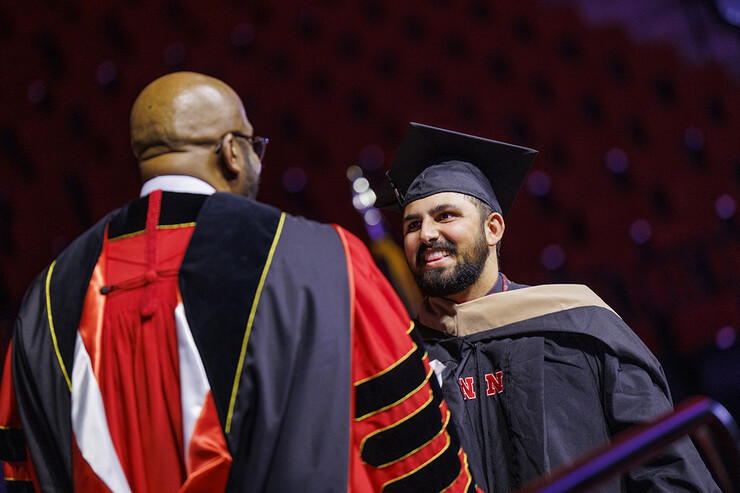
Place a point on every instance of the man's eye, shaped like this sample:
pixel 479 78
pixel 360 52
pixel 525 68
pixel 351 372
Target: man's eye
pixel 445 215
pixel 412 226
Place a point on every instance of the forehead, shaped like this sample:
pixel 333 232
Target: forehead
pixel 428 204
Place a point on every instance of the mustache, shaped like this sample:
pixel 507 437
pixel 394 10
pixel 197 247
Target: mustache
pixel 437 244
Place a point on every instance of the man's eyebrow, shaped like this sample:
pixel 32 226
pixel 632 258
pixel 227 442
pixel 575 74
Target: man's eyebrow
pixel 434 210
pixel 441 207
pixel 411 217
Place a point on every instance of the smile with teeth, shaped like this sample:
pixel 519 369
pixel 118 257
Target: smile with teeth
pixel 434 255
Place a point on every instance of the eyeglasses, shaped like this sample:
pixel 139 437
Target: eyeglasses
pixel 259 144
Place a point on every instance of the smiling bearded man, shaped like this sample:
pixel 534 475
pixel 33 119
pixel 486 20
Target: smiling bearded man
pixel 534 376
pixel 470 261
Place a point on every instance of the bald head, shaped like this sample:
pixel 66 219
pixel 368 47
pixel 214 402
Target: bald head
pixel 176 122
pixel 183 109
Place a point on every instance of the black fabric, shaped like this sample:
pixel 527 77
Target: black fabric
pixel 397 441
pixel 180 208
pixel 219 275
pixel 376 393
pixel 12 445
pixel 571 379
pixel 284 436
pixel 72 272
pixel 292 414
pixel 20 486
pixel 503 165
pixel 42 392
pixel 428 477
pixel 132 218
pixel 453 176
pixel 176 208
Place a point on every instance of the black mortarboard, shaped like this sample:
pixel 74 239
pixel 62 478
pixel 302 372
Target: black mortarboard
pixel 431 160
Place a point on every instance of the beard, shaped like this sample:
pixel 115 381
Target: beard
pixel 251 185
pixel 251 182
pixel 465 273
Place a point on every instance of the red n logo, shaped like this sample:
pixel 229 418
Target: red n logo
pixel 467 387
pixel 494 383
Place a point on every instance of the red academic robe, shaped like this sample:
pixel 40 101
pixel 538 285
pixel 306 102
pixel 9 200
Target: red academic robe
pixel 192 343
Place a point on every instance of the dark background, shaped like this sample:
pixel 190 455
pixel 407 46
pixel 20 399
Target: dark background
pixel 634 106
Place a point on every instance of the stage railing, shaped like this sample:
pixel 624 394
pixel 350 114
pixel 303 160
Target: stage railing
pixel 713 429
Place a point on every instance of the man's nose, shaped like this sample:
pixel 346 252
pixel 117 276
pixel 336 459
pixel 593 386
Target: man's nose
pixel 429 231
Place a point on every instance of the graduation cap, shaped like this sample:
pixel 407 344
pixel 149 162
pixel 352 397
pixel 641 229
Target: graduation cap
pixel 431 160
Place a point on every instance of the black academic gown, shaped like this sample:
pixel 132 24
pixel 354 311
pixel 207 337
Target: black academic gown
pixel 292 411
pixel 537 376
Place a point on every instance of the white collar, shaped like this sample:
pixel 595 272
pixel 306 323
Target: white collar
pixel 176 183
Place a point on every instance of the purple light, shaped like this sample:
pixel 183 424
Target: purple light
pixel 693 138
pixel 174 54
pixel 730 10
pixel 724 206
pixel 539 183
pixel 374 224
pixel 372 217
pixel 552 257
pixel 106 73
pixel 37 92
pixel 242 35
pixel 641 231
pixel 616 161
pixel 294 180
pixel 371 157
pixel 725 337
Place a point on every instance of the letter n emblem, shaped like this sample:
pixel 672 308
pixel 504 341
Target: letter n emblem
pixel 494 383
pixel 467 386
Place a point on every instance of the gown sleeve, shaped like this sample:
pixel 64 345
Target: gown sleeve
pixel 401 435
pixel 17 468
pixel 631 397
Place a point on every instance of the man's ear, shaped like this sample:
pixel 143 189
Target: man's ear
pixel 494 228
pixel 229 157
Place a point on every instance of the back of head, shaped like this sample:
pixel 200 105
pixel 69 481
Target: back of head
pixel 181 111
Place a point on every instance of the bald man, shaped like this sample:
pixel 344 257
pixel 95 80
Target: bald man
pixel 197 340
pixel 177 120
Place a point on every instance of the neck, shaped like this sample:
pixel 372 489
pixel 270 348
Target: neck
pixel 193 164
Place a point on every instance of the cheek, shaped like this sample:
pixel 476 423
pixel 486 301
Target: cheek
pixel 409 246
pixel 461 233
pixel 254 165
pixel 451 234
